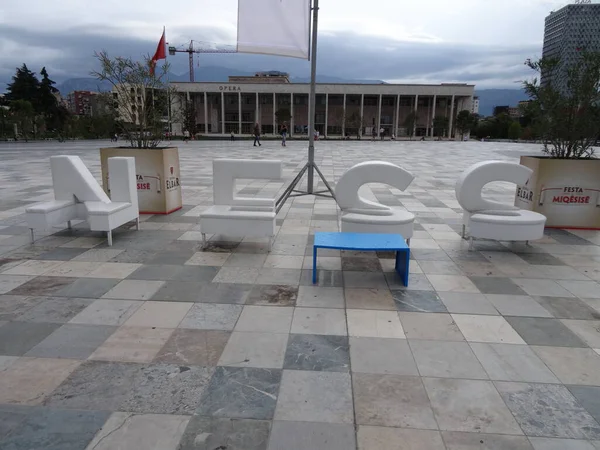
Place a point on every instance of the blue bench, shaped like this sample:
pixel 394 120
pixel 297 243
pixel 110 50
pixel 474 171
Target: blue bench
pixel 365 242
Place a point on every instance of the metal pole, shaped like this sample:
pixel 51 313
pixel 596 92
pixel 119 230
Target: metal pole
pixel 312 99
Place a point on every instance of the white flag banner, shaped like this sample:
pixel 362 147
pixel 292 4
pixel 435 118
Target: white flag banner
pixel 274 27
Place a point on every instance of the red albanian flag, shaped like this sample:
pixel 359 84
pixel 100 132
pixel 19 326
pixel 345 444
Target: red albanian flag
pixel 160 53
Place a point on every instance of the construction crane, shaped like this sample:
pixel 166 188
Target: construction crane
pixel 205 47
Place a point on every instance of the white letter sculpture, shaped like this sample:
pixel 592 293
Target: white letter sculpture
pixel 360 215
pixel 488 219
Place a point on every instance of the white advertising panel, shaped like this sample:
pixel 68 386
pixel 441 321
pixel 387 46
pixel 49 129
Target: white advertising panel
pixel 274 27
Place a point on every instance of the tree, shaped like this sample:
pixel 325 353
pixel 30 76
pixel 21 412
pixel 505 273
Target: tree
pixel 23 115
pixel 410 123
pixel 565 108
pixel 440 125
pixel 141 98
pixel 24 86
pixel 514 131
pixel 355 122
pixel 283 115
pixel 189 117
pixel 465 121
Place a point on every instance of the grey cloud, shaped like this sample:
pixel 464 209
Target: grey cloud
pixel 344 55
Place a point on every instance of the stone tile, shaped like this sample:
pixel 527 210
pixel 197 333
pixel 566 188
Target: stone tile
pixel 279 276
pixel 430 326
pixel 134 290
pixel 245 260
pixel 377 438
pixel 231 434
pixel 587 330
pixel 319 321
pixel 206 316
pixel 326 278
pixel 167 389
pixel 72 341
pixel 132 344
pixel 309 436
pixel 589 398
pixel 40 285
pixel 113 270
pixel 323 262
pixel 542 287
pixel 179 291
pixel 382 356
pixel 317 353
pixel 440 268
pixel 452 283
pixel 155 272
pixel 193 347
pixel 6 361
pixel 241 393
pixel 277 295
pixel 32 268
pixel 568 308
pixel 73 269
pixel 506 362
pixel 83 242
pixel 561 444
pixel 98 255
pixel 17 338
pixel 284 262
pixel 320 297
pixel 29 380
pixel 391 401
pixel 583 289
pixel 55 310
pixel 207 259
pixel 56 430
pixel 240 275
pixel 95 385
pixel 572 365
pixel 12 306
pixel 418 301
pixel 364 298
pixel 446 360
pixel 539 331
pixel 224 293
pixel 148 431
pixel 360 264
pixel 106 312
pixel 263 350
pixel 497 285
pixel 87 288
pixel 62 254
pixel 171 257
pixel 268 319
pixel 478 441
pixel 315 396
pixel 461 303
pixel 469 405
pixel 517 305
pixel 548 410
pixel 374 323
pixel 354 279
pixel 159 314
pixel 11 416
pixel 486 329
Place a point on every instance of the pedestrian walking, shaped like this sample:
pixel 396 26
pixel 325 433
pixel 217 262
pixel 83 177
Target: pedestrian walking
pixel 257 135
pixel 284 131
pixel 382 133
pixel 232 136
pixel 373 133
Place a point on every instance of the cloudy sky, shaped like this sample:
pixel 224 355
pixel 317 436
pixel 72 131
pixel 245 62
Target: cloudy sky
pixel 427 41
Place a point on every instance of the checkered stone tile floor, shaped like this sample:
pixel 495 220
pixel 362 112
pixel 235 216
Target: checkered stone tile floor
pixel 155 344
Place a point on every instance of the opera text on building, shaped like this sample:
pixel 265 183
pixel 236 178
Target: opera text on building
pixel 237 105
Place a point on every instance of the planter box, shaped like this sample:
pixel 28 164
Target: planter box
pixel 566 191
pixel 158 179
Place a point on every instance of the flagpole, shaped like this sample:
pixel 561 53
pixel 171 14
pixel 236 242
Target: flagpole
pixel 168 84
pixel 312 99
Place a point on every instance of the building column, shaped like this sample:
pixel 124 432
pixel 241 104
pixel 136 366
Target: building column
pixel 239 131
pixel 222 112
pixel 274 117
pixel 291 129
pixel 397 115
pixel 416 106
pixel 433 115
pixel 256 112
pixel 362 108
pixel 451 119
pixel 205 113
pixel 326 114
pixel 379 114
pixel 344 118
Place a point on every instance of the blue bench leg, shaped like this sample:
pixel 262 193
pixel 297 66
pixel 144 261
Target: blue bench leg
pixel 314 265
pixel 402 262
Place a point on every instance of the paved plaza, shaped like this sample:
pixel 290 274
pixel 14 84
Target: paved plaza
pixel 154 344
